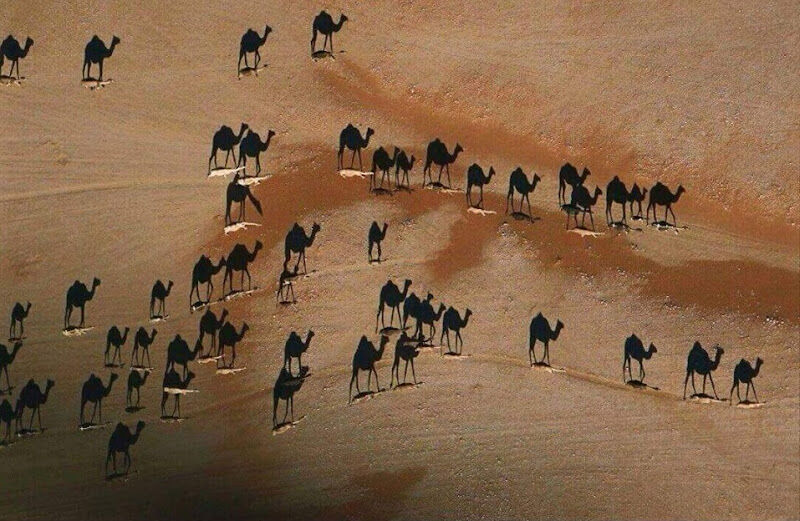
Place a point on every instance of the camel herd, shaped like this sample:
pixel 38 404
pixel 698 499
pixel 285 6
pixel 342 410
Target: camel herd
pixel 224 335
pixel 581 200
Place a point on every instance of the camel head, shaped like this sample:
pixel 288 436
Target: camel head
pixel 315 228
pixel 169 288
pixel 270 133
pixel 223 315
pixel 586 173
pixel 28 45
pixel 139 426
pixel 491 173
pixel 385 227
pixel 536 179
pixel 467 314
pixel 153 334
pixel 189 377
pixel 679 191
pixel 406 285
pixel 28 307
pixel 112 379
pixel 309 336
pixel 369 132
pixel 457 150
pixel 95 282
pixel 258 246
pixel 411 162
pixel 759 363
pixel 429 297
pixel 598 192
pixel 718 349
pixel 644 192
pixel 50 385
pixel 384 341
pixel 115 41
pixel 245 329
pixel 267 30
pixel 652 349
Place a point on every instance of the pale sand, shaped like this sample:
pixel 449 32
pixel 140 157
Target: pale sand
pixel 114 185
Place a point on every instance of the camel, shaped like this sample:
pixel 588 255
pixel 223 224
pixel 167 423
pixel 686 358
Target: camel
pixel 96 52
pixel 519 182
pixel 251 42
pixel 18 316
pixel 540 330
pixel 225 139
pixel 210 325
pixel 426 316
pixel 350 137
pixel 296 242
pixel 159 294
pixel 201 274
pixel 94 391
pixel 744 372
pixel 77 297
pixel 6 359
pixel 407 351
pixel 141 339
pixel 294 348
pixel 660 195
pixel 173 381
pixel 323 24
pixel 135 381
pixel 11 50
pixel 616 192
pixel 178 352
pixel 121 441
pixel 285 286
pixel 229 337
pixel 252 146
pixel 364 359
pixel 116 339
pixel 238 260
pixel 33 398
pixel 634 348
pixel 568 175
pixel 476 177
pixel 437 154
pixel 382 161
pixel 7 414
pixel 238 193
pixel 636 195
pixel 582 202
pixel 405 164
pixel 285 388
pixel 375 238
pixel 700 363
pixel 452 321
pixel 390 296
pixel 412 306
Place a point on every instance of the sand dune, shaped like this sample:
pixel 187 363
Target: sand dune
pixel 112 183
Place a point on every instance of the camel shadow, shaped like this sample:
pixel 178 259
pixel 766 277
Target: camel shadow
pixel 664 226
pixel 522 216
pixel 321 55
pixel 379 190
pixel 120 476
pixel 112 365
pixel 363 396
pixel 706 398
pixel 92 426
pixel 134 408
pixel 250 71
pixel 638 384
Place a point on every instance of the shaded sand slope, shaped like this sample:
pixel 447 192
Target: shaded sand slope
pixel 112 184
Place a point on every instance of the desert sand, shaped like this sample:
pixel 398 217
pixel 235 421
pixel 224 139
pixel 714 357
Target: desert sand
pixel 111 183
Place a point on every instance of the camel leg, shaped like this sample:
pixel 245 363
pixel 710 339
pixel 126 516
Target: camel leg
pixel 713 388
pixel 460 342
pixel 674 220
pixel 210 290
pixel 127 460
pixel 258 59
pixel 360 165
pixel 531 352
pixel 353 378
pixel 67 315
pixel 449 183
pixel 325 43
pixel 641 371
pixel 751 384
pixel 147 352
pixel 685 382
pixel 377 383
pixel 413 373
pixel 530 212
pixel 331 42
pixel 8 384
pixel 39 416
pixel 379 252
pixel 83 309
pixel 590 218
pixel 249 280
